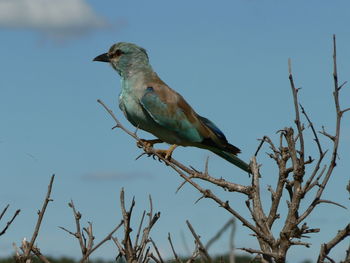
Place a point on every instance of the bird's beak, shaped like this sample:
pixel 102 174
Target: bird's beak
pixel 102 58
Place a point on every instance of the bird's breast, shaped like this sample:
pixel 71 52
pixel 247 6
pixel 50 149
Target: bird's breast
pixel 129 103
pixel 138 117
pixel 132 109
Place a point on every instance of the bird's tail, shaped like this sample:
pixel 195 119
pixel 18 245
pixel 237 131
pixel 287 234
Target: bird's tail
pixel 232 159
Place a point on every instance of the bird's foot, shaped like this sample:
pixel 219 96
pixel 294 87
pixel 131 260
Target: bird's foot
pixel 147 143
pixel 167 153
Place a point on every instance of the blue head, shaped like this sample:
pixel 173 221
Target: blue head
pixel 125 58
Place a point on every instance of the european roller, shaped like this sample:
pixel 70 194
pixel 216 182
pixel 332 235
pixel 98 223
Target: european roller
pixel 151 105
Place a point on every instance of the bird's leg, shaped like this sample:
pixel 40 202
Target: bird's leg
pixel 167 153
pixel 148 143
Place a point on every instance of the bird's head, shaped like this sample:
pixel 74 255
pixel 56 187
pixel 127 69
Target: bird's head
pixel 125 57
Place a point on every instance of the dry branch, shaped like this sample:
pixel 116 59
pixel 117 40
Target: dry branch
pixel 137 251
pixel 177 259
pixel 28 247
pixel 202 248
pixel 292 179
pixel 3 231
pixel 327 247
pixel 86 245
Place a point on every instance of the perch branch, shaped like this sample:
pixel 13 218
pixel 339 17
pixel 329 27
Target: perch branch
pixel 180 168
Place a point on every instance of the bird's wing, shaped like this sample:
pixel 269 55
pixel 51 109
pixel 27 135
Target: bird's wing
pixel 170 110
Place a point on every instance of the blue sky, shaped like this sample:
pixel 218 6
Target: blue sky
pixel 227 58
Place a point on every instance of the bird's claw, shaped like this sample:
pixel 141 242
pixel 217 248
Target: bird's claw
pixel 139 144
pixel 166 154
pixel 146 144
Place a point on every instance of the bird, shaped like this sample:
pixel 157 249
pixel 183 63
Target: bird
pixel 150 104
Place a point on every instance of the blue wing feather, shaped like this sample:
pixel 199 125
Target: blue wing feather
pixel 213 127
pixel 169 116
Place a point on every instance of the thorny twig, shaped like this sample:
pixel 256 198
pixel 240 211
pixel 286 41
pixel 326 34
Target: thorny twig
pixel 327 247
pixel 108 237
pixel 136 251
pixel 3 231
pixel 40 218
pixel 202 248
pixel 28 247
pixel 86 246
pixel 177 259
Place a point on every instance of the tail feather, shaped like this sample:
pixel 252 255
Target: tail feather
pixel 232 159
pixel 217 139
pixel 218 144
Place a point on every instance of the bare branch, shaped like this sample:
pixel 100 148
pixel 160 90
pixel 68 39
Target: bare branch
pixel 231 243
pixel 342 85
pixel 177 259
pixel 330 202
pixel 255 251
pixel 195 254
pixel 323 132
pixel 219 233
pixel 327 247
pixel 37 253
pixel 108 237
pixel 40 218
pixel 91 237
pixel 297 114
pixel 154 258
pixel 119 246
pixel 119 125
pixel 276 154
pixel 4 211
pixel 259 147
pixel 157 251
pixel 313 130
pixel 335 140
pixel 69 232
pixel 257 212
pixel 9 222
pixel 300 243
pixel 139 229
pixel 127 230
pixel 345 110
pixel 78 234
pixel 202 248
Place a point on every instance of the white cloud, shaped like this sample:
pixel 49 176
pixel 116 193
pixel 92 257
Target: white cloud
pixel 55 17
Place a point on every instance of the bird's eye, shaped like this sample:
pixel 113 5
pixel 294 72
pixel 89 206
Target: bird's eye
pixel 117 53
